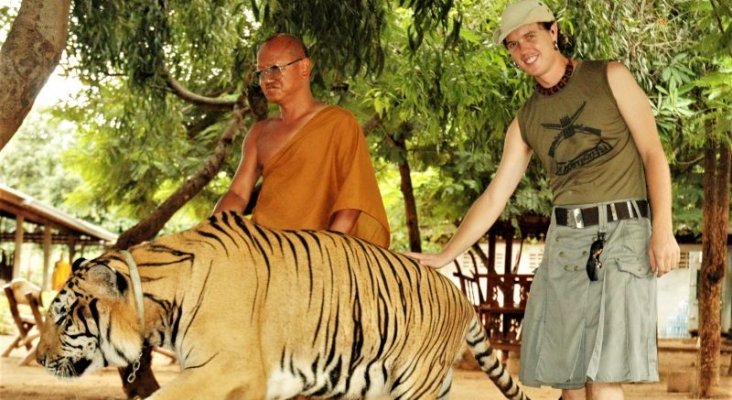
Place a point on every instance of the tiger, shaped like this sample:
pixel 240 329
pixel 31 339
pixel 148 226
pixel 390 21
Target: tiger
pixel 258 313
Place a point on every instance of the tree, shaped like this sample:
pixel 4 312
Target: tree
pixel 41 175
pixel 716 88
pixel 30 53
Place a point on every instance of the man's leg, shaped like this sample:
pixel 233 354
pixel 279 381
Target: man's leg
pixel 605 391
pixel 573 394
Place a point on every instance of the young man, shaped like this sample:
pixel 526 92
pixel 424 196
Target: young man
pixel 312 157
pixel 590 323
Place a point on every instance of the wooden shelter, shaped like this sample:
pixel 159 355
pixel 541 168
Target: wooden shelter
pixel 499 292
pixel 40 223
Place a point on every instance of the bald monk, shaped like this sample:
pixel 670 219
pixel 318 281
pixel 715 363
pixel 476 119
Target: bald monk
pixel 312 157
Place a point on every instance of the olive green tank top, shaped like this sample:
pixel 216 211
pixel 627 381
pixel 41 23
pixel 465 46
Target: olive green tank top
pixel 582 140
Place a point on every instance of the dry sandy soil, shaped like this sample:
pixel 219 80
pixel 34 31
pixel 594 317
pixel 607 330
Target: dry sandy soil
pixel 677 362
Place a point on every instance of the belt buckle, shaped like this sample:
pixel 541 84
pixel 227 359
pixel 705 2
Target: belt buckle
pixel 574 218
pixel 614 211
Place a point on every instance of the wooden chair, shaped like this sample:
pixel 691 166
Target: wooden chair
pixel 24 300
pixel 498 295
pixel 473 283
pixel 470 279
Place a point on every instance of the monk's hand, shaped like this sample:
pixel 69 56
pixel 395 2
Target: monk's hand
pixel 429 260
pixel 664 252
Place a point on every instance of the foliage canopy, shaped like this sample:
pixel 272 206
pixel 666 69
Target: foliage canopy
pixel 426 68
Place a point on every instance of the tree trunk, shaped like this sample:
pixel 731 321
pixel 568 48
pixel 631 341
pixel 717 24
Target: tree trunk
pixel 369 126
pixel 407 189
pixel 410 205
pixel 29 55
pixel 714 254
pixel 405 185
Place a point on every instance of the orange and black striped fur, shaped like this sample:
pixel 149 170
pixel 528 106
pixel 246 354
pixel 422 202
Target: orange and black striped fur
pixel 255 313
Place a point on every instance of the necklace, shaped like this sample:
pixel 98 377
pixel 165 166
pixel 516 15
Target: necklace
pixel 568 69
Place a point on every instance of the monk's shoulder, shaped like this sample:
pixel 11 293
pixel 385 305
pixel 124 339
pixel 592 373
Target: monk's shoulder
pixel 257 131
pixel 345 120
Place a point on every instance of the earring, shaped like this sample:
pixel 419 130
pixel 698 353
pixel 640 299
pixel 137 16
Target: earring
pixel 556 47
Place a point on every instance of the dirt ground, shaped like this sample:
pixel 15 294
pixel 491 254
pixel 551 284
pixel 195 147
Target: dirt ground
pixel 677 362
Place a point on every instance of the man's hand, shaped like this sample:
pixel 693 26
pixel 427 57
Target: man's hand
pixel 664 253
pixel 429 260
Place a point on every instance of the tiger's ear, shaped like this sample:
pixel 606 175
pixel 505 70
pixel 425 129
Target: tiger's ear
pixel 77 264
pixel 108 280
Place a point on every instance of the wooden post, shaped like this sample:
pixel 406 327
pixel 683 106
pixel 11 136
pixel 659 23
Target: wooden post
pixel 72 249
pixel 47 231
pixel 18 245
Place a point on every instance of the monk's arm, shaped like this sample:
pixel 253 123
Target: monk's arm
pixel 237 197
pixel 344 220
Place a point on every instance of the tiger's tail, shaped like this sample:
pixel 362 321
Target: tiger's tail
pixel 490 364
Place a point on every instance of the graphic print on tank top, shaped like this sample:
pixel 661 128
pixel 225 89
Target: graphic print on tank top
pixel 573 155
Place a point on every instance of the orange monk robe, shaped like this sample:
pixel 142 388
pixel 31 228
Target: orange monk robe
pixel 61 272
pixel 324 168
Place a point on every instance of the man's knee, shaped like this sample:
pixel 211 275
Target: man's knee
pixel 574 394
pixel 605 391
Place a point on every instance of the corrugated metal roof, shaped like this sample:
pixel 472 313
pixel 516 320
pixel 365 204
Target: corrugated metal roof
pixel 14 203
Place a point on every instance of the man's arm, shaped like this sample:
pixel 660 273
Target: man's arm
pixel 247 173
pixel 344 220
pixel 354 175
pixel 636 111
pixel 488 207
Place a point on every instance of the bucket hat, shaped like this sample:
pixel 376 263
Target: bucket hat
pixel 521 13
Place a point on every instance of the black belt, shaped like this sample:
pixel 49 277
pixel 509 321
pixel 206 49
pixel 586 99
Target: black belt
pixel 581 217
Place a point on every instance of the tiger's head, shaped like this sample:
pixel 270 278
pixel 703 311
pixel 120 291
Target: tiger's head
pixel 91 323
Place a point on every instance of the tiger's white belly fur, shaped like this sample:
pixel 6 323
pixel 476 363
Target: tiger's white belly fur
pixel 283 384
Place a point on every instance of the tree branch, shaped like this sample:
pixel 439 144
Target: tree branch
pixel 693 161
pixel 206 102
pixel 371 124
pixel 719 19
pixel 151 225
pixel 197 127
